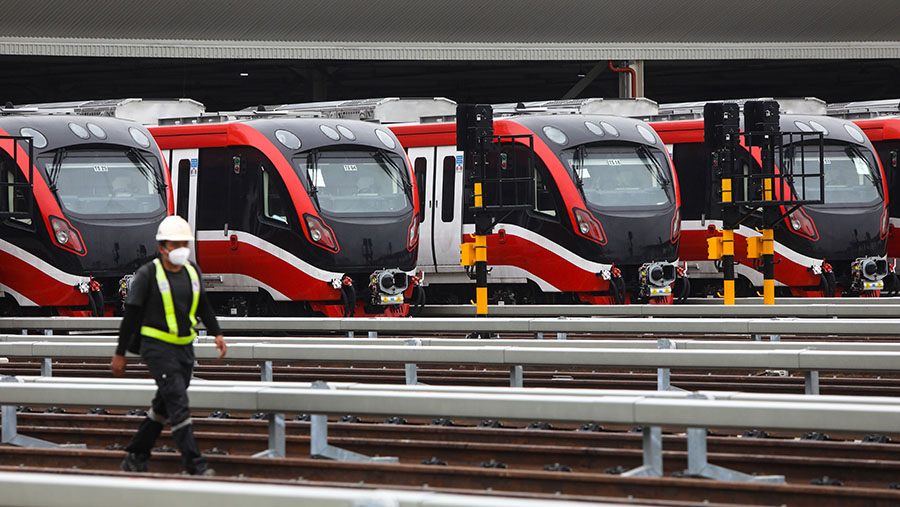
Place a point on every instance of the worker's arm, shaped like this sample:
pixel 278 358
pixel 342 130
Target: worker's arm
pixel 208 316
pixel 131 323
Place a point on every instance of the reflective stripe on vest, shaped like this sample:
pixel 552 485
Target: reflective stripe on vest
pixel 169 307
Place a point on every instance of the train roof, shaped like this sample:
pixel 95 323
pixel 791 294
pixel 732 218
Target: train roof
pixel 640 107
pixel 69 130
pixel 863 109
pixel 694 110
pixel 143 111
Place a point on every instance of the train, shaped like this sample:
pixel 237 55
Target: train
pixel 81 196
pixel 831 249
pixel 880 121
pixel 296 213
pixel 603 223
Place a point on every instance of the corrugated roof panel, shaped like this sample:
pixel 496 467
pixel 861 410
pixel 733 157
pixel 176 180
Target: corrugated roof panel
pixel 459 29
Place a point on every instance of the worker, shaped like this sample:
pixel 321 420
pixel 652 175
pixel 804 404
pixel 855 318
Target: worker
pixel 161 308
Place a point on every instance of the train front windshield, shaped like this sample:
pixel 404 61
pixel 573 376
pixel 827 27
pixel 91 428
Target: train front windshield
pixel 105 182
pixel 851 174
pixel 356 181
pixel 620 176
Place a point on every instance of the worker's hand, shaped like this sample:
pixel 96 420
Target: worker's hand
pixel 221 346
pixel 117 365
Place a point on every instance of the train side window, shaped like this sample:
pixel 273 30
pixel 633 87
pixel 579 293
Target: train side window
pixel 420 170
pixel 184 188
pixel 544 200
pixel 15 192
pixel 273 196
pixel 449 187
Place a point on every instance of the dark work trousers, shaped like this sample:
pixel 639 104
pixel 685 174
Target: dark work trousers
pixel 171 367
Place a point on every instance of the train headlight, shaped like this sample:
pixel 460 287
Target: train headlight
pixel 66 236
pixel 320 234
pixel 588 226
pixel 801 224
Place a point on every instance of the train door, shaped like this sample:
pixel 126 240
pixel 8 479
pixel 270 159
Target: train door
pixel 423 160
pixel 184 164
pixel 448 208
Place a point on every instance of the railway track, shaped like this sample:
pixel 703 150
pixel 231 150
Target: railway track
pixel 509 481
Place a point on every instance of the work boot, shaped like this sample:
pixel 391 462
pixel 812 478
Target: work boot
pixel 135 462
pixel 204 472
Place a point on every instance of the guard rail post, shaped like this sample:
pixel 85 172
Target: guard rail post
pixel 9 433
pixel 412 375
pixel 277 445
pixel 265 371
pixel 652 457
pixel 699 466
pixel 664 375
pixel 46 367
pixel 318 439
pixel 811 382
pixel 516 376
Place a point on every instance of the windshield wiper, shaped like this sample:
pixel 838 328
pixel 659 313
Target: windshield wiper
pixel 145 167
pixel 312 162
pixel 578 167
pixel 394 175
pixel 54 169
pixel 654 168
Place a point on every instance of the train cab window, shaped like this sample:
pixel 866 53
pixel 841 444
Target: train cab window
pixel 420 166
pixel 274 196
pixel 544 192
pixel 106 182
pixel 850 175
pixel 612 175
pixel 15 192
pixel 356 181
pixel 448 200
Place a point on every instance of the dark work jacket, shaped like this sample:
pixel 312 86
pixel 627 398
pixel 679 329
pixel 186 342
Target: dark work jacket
pixel 144 307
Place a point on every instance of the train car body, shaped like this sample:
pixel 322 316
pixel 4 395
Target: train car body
pixel 297 215
pixel 880 121
pixel 604 222
pixel 80 200
pixel 822 249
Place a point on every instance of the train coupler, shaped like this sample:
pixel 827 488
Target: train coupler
pixel 868 273
pixel 656 279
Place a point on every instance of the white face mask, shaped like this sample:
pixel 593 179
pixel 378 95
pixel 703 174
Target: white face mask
pixel 179 256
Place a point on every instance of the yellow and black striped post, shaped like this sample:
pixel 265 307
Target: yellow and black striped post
pixel 481 291
pixel 768 252
pixel 727 248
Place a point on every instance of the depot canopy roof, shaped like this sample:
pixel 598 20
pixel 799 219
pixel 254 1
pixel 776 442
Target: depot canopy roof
pixel 455 29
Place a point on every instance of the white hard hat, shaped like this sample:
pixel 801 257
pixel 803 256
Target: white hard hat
pixel 174 228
